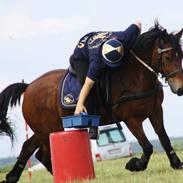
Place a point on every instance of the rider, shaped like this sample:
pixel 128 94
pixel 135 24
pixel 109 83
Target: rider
pixel 95 52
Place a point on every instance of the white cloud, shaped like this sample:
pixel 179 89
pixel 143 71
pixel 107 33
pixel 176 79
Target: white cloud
pixel 16 26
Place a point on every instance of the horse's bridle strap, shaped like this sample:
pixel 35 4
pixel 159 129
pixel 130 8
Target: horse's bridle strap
pixel 173 73
pixel 160 50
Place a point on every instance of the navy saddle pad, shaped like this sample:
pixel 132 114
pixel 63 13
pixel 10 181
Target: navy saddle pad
pixel 70 90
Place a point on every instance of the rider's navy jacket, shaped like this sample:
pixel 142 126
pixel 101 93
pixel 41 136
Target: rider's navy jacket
pixel 89 47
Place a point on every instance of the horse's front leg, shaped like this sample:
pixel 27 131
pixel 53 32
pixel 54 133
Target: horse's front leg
pixel 139 164
pixel 156 120
pixel 28 148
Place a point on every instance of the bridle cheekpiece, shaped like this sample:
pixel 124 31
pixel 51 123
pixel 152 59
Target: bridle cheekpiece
pixel 160 51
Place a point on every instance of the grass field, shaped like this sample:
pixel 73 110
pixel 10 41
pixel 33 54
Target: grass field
pixel 113 171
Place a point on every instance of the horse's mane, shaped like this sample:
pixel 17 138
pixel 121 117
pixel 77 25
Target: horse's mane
pixel 146 40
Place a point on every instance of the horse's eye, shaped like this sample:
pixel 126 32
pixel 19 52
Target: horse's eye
pixel 168 58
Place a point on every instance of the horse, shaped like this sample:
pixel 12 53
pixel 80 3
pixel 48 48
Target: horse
pixel 136 95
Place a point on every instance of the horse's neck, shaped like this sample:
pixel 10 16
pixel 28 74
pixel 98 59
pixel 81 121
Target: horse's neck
pixel 133 76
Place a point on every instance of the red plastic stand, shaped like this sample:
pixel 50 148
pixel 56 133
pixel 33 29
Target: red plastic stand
pixel 71 156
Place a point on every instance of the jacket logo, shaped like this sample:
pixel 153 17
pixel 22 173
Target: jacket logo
pixel 68 99
pixel 99 38
pixel 81 44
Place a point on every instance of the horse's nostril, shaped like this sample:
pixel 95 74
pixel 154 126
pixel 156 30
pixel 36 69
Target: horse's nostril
pixel 180 92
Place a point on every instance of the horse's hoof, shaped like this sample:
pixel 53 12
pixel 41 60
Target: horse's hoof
pixel 178 167
pixel 4 181
pixel 136 164
pixel 11 180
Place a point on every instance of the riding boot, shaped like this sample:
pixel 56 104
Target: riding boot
pixel 93 132
pixel 92 109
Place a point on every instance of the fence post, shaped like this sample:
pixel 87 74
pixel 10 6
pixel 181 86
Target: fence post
pixel 29 161
pixel 27 137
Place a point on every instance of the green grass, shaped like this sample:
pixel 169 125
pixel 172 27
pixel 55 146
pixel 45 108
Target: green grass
pixel 113 171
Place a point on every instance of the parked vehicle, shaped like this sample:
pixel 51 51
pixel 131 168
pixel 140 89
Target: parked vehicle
pixel 111 144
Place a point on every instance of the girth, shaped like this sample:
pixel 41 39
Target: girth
pixel 136 96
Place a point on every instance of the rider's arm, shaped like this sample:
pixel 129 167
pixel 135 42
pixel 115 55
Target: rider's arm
pixel 130 35
pixel 93 73
pixel 138 24
pixel 83 95
pixel 133 30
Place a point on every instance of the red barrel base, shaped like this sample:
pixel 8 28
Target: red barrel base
pixel 71 156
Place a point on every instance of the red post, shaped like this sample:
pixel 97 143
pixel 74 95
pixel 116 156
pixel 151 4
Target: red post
pixel 29 161
pixel 71 156
pixel 27 137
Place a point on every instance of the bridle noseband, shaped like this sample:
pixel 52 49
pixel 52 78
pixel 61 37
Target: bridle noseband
pixel 160 51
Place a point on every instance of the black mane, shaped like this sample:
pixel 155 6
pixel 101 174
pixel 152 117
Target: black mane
pixel 146 40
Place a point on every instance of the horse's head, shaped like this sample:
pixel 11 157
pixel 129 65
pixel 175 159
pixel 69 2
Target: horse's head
pixel 166 55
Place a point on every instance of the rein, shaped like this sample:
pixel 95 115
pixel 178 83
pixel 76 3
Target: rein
pixel 143 63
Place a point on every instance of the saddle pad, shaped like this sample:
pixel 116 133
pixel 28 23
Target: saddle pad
pixel 70 90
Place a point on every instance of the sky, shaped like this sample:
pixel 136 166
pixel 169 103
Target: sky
pixel 39 35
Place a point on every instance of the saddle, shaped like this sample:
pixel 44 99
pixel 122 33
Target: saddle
pixel 71 87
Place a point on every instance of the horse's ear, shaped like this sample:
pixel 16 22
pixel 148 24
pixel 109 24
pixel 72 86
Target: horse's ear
pixel 179 34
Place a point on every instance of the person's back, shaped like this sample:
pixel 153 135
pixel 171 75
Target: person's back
pixel 88 50
pixel 94 53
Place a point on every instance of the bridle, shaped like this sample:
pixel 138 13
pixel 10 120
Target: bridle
pixel 160 61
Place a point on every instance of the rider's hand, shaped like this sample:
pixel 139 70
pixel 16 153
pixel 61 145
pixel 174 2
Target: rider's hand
pixel 80 108
pixel 138 24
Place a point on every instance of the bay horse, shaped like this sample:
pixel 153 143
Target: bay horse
pixel 136 94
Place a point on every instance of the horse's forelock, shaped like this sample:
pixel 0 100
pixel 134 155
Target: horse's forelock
pixel 146 39
pixel 176 43
pixel 158 28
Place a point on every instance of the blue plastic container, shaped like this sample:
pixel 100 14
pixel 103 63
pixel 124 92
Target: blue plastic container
pixel 81 120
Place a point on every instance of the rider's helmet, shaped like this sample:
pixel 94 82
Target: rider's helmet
pixel 112 52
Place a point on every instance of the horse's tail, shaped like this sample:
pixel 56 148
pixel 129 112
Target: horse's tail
pixel 9 96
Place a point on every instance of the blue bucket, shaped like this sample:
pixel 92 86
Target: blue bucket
pixel 81 121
